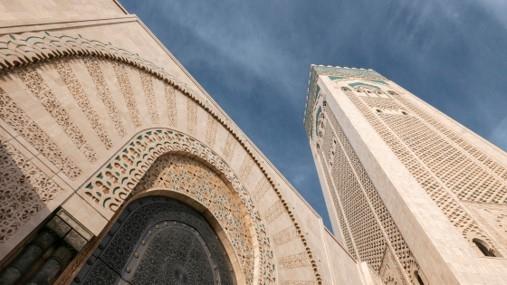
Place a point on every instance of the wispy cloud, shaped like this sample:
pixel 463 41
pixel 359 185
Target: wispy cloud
pixel 240 36
pixel 253 57
pixel 497 8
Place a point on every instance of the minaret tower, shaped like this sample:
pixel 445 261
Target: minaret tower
pixel 416 195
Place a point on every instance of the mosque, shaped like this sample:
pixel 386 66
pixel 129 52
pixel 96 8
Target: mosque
pixel 117 167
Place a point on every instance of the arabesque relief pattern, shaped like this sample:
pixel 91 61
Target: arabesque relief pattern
pixel 18 50
pixel 170 96
pixel 34 82
pixel 120 71
pixel 190 177
pixel 367 226
pixel 335 73
pixel 31 131
pixel 103 92
pixel 394 130
pixel 123 175
pixel 26 190
pixel 147 82
pixel 72 83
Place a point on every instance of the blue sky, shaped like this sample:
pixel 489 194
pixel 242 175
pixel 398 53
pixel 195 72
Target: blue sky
pixel 253 57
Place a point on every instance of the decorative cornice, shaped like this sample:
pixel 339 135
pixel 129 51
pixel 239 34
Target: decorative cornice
pixel 335 73
pixel 348 72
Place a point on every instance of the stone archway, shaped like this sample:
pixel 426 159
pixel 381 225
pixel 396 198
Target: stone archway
pixel 167 159
pixel 85 67
pixel 158 240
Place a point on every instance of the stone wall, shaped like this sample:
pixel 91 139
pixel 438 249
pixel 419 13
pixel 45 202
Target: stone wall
pixel 85 115
pixel 437 187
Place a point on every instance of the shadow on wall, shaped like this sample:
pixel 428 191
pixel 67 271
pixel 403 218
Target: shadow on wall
pixel 45 252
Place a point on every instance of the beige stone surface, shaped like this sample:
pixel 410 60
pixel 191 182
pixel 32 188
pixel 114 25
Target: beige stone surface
pixel 107 125
pixel 424 178
pixel 14 12
pixel 86 214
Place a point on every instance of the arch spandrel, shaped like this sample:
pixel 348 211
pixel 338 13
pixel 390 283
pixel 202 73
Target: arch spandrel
pixel 81 63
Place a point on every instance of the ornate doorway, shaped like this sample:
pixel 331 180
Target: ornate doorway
pixel 158 240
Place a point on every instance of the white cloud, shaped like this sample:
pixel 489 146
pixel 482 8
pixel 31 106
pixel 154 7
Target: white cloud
pixel 498 8
pixel 240 37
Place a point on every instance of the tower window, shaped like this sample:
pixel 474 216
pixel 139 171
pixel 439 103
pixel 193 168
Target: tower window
pixel 483 247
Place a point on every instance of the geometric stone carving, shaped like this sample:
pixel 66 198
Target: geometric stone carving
pixel 334 73
pixel 145 163
pixel 147 83
pixel 387 126
pixel 158 241
pixel 120 71
pixel 390 272
pixel 74 87
pixel 285 236
pixel 103 92
pixel 192 178
pixel 495 168
pixel 31 132
pixel 274 211
pixel 170 95
pixel 493 217
pixel 371 226
pixel 39 89
pixel 24 190
pixel 18 50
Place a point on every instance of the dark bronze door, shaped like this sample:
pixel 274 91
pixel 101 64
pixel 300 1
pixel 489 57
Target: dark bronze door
pixel 158 241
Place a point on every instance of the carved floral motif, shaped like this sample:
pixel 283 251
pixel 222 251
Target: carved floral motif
pixel 30 131
pixel 34 82
pixel 28 48
pixel 103 92
pixel 120 71
pixel 24 190
pixel 390 272
pixel 147 82
pixel 69 78
pixel 142 164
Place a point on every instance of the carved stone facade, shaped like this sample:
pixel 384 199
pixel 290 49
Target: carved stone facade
pixel 26 190
pixel 89 127
pixel 410 191
pixel 146 163
pixel 365 223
